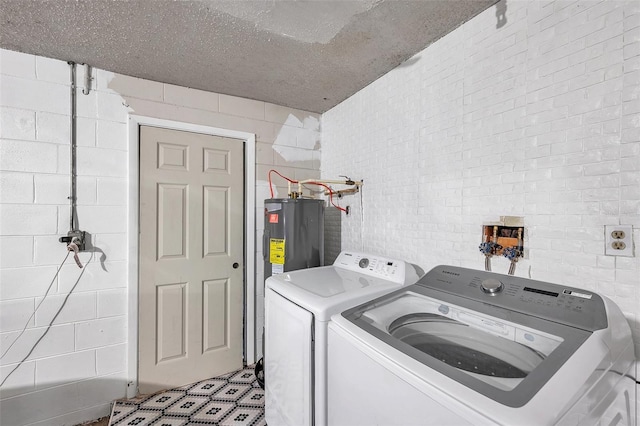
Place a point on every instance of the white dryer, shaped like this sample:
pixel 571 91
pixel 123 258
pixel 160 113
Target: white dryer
pixel 467 347
pixel 298 306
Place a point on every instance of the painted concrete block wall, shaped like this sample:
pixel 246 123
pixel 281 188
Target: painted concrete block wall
pixel 81 364
pixel 538 118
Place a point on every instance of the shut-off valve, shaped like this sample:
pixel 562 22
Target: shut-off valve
pixel 76 242
pixel 489 249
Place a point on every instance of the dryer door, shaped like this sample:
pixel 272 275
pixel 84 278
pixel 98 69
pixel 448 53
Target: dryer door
pixel 288 360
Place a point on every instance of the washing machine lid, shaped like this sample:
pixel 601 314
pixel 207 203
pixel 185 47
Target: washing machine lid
pixel 352 279
pixel 486 343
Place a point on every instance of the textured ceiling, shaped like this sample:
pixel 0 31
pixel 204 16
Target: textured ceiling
pixel 309 55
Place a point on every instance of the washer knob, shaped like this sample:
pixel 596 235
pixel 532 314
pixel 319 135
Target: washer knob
pixel 364 262
pixel 491 286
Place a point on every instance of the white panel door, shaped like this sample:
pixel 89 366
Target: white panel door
pixel 191 257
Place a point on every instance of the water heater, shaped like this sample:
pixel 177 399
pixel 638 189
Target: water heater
pixel 293 235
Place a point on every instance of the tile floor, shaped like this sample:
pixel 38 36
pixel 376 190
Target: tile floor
pixel 232 399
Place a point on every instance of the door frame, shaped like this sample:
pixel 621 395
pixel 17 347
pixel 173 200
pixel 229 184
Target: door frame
pixel 249 314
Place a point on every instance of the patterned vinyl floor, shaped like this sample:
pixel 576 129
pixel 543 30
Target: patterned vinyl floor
pixel 232 399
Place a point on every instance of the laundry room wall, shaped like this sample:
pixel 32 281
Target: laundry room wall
pixel 81 365
pixel 537 117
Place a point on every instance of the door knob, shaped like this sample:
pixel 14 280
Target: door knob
pixel 235 265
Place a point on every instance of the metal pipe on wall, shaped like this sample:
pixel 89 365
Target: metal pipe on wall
pixel 75 238
pixel 72 197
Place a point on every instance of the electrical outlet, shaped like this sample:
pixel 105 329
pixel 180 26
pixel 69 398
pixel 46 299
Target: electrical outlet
pixel 618 235
pixel 618 245
pixel 618 240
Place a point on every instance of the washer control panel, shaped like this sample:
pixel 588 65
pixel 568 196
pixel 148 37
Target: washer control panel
pixel 567 305
pixel 382 267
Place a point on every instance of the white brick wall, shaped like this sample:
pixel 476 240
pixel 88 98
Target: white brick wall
pixel 80 366
pixel 539 118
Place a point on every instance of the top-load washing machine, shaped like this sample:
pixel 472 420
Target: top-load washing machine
pixel 298 306
pixel 467 347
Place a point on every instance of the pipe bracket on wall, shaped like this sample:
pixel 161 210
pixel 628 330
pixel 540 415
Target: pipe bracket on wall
pixel 87 79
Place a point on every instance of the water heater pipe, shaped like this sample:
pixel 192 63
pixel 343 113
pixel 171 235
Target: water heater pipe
pixel 328 182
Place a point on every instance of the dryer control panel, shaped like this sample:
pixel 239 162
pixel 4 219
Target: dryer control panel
pixel 393 270
pixel 566 305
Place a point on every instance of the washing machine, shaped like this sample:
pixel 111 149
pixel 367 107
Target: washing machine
pixel 467 347
pixel 298 306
